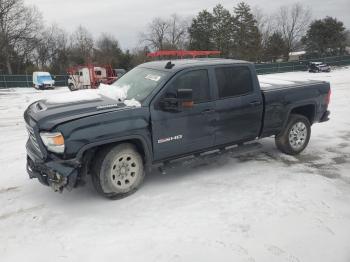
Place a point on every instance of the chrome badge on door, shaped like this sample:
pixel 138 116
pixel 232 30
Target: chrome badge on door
pixel 169 139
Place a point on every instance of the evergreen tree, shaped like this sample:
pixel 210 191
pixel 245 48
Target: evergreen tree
pixel 107 51
pixel 325 37
pixel 222 30
pixel 347 37
pixel 201 32
pixel 275 47
pixel 247 38
pixel 126 60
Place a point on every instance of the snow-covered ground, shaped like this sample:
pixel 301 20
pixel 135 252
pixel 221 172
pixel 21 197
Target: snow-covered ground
pixel 254 204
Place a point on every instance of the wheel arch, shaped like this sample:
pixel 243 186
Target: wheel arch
pixel 308 110
pixel 137 140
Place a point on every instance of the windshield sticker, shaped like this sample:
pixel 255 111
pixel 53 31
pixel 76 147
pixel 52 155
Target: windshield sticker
pixel 153 77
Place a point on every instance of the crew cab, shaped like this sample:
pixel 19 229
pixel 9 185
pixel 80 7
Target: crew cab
pixel 185 107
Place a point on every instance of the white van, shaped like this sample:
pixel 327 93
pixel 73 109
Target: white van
pixel 43 80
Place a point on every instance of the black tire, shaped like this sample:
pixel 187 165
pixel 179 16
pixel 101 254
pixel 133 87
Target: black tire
pixel 293 140
pixel 71 87
pixel 118 171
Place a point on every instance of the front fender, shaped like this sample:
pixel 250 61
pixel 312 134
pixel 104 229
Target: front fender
pixel 146 144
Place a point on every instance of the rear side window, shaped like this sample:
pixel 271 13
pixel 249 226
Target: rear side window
pixel 233 81
pixel 196 80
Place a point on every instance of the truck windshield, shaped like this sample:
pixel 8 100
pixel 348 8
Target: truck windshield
pixel 42 79
pixel 140 82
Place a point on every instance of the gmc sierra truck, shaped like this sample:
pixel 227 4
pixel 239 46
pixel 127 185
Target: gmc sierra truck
pixel 185 107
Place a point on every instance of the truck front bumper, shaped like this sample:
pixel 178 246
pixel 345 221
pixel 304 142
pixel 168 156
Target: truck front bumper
pixel 46 86
pixel 57 175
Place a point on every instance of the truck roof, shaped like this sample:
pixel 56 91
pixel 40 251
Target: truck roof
pixel 41 73
pixel 185 63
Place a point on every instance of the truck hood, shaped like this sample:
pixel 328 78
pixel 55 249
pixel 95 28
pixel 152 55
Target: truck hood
pixel 47 115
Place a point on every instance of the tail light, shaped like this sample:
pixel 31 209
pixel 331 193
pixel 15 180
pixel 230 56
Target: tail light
pixel 328 97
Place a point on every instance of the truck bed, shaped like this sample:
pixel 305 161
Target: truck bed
pixel 280 96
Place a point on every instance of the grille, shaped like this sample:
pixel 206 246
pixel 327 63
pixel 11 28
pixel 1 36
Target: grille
pixel 33 139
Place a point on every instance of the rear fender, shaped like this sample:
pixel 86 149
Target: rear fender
pixel 295 106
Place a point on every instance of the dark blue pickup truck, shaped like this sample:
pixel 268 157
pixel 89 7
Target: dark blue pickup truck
pixel 186 107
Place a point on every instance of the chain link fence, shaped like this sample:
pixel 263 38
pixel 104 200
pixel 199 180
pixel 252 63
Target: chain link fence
pixel 9 81
pixel 301 65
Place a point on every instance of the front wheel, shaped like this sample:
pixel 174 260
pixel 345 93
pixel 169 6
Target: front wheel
pixel 72 87
pixel 296 135
pixel 118 171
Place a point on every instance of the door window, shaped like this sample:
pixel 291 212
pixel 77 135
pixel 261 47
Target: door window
pixel 197 80
pixel 233 81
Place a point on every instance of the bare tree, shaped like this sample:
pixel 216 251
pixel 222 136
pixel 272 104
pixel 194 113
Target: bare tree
pixel 293 22
pixel 60 51
pixel 156 34
pixel 265 24
pixel 82 44
pixel 178 32
pixel 162 33
pixel 19 27
pixel 52 43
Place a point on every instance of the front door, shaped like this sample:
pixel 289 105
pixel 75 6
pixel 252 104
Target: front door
pixel 190 129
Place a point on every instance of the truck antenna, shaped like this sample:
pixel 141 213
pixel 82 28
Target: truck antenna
pixel 169 65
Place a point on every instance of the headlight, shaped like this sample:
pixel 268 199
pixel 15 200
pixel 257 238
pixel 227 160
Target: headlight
pixel 54 142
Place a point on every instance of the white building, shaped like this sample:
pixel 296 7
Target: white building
pixel 295 56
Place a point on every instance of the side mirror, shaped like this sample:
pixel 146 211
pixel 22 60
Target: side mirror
pixel 185 98
pixel 182 100
pixel 169 104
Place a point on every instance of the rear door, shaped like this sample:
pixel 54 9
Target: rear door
pixel 238 106
pixel 191 129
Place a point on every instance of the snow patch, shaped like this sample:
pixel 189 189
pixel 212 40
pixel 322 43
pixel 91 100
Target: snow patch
pixel 77 96
pixel 114 92
pixel 273 81
pixel 265 85
pixel 133 102
pixel 258 205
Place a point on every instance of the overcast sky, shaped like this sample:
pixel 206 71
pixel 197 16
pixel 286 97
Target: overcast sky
pixel 126 19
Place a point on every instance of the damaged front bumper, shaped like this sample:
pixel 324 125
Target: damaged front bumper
pixel 48 168
pixel 57 175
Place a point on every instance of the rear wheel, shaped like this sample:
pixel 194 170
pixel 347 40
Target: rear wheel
pixel 118 171
pixel 295 137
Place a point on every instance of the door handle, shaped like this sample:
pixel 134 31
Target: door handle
pixel 208 111
pixel 255 103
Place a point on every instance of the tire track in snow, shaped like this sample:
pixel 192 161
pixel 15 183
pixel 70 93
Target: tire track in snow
pixel 20 211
